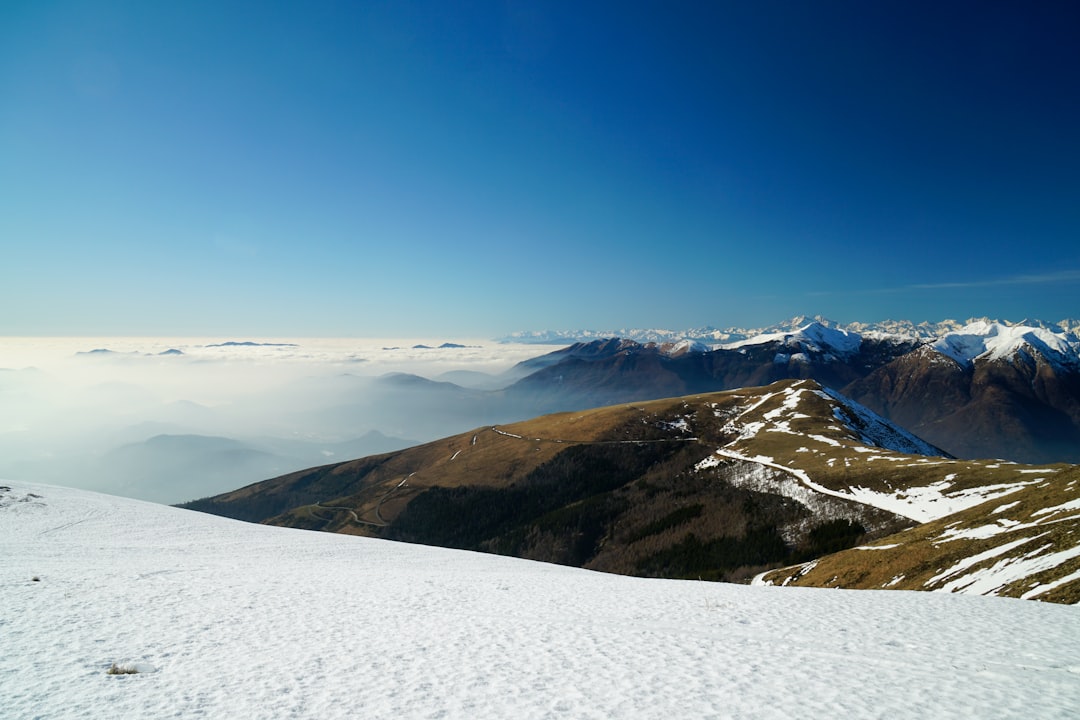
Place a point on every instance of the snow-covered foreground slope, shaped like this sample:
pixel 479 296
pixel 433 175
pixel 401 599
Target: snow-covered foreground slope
pixel 232 620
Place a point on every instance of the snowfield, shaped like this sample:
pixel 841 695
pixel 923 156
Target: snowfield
pixel 230 620
pixel 812 335
pixel 993 341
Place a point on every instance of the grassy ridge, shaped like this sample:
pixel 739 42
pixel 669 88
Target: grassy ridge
pixel 639 489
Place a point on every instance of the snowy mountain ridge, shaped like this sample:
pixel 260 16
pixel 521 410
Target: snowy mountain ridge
pixel 978 338
pixel 709 335
pixel 873 430
pixel 994 341
pixel 841 457
pixel 814 336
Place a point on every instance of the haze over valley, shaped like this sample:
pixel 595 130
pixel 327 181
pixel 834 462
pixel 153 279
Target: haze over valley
pixel 173 419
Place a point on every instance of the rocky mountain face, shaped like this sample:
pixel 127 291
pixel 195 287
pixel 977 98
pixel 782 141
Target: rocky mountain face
pixel 1022 408
pixel 980 390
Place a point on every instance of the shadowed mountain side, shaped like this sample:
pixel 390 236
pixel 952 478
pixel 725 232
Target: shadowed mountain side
pixel 613 371
pixel 1024 408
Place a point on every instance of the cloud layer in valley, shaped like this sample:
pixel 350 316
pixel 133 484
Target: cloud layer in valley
pixel 173 419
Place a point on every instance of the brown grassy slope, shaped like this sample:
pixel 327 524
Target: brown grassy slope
pixel 660 498
pixel 658 513
pixel 485 456
pixel 795 477
pixel 492 456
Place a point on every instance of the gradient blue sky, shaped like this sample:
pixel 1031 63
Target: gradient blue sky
pixel 474 168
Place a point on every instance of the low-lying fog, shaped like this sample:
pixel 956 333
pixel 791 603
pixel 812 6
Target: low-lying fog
pixel 171 420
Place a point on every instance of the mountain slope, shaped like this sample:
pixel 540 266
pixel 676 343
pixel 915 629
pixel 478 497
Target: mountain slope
pixel 986 391
pixel 615 371
pixel 988 528
pixel 231 620
pixel 814 440
pixel 617 489
pixel 719 485
pixel 1025 544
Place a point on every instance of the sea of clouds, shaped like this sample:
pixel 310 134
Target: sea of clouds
pixel 173 419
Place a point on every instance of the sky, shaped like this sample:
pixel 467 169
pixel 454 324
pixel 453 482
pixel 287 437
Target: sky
pixel 400 169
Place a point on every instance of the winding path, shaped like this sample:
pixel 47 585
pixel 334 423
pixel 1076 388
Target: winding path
pixel 382 522
pixel 495 429
pixel 355 517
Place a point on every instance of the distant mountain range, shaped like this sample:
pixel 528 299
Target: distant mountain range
pixel 163 466
pixel 714 336
pixel 985 389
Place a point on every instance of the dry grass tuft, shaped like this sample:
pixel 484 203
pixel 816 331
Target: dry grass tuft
pixel 122 669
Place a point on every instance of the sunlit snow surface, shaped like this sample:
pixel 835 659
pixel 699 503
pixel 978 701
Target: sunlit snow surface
pixel 813 335
pixel 978 339
pixel 991 340
pixel 228 620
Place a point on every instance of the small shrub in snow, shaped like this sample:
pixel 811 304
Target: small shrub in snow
pixel 122 669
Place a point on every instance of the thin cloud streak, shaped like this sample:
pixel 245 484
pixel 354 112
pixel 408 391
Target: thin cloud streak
pixel 1043 279
pixel 1064 276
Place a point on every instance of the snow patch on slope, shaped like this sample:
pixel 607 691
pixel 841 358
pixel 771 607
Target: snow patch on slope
pixel 921 504
pixel 989 580
pixel 872 429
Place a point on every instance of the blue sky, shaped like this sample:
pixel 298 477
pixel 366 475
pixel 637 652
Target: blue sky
pixel 408 169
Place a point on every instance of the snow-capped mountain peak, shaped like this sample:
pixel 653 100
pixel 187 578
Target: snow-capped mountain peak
pixel 815 336
pixel 990 340
pixel 682 347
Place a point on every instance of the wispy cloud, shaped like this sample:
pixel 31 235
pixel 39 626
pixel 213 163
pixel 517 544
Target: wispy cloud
pixel 1040 279
pixel 1062 276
